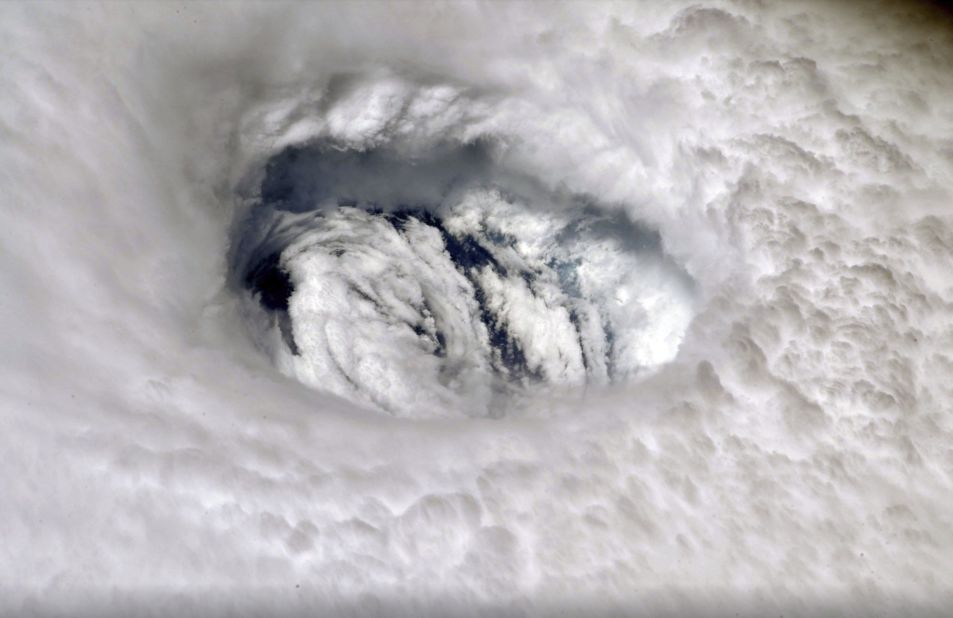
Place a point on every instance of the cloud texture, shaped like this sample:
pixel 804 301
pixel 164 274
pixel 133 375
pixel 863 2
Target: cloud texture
pixel 783 441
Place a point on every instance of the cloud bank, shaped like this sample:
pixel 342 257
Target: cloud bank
pixel 753 200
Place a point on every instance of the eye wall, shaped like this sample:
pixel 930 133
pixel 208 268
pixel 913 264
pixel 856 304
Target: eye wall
pixel 476 308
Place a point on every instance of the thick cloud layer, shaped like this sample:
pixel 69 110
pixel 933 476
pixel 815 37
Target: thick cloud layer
pixel 777 182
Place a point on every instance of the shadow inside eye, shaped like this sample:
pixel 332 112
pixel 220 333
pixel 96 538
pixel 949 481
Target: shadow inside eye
pixel 270 282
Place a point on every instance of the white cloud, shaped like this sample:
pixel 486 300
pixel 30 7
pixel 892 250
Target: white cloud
pixel 795 159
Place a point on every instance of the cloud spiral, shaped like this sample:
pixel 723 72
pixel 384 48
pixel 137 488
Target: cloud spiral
pixel 476 308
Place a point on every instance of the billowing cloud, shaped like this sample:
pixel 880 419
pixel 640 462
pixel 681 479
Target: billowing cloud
pixel 476 307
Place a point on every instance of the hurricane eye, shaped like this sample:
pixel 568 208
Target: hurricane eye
pixel 444 284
